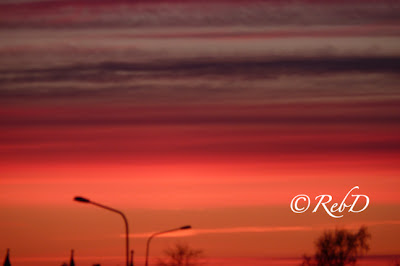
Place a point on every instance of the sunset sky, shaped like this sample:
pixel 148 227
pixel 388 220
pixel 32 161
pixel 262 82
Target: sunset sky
pixel 209 113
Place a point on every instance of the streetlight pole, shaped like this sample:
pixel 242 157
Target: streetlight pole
pixel 159 233
pixel 85 200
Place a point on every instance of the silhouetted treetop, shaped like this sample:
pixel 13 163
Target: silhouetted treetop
pixel 181 255
pixel 339 247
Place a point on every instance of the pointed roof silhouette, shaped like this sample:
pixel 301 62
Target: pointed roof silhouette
pixel 7 259
pixel 71 261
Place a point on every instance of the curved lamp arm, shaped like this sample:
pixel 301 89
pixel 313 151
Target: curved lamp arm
pixel 160 233
pixel 85 200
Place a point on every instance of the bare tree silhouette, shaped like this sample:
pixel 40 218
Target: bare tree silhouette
pixel 181 255
pixel 339 247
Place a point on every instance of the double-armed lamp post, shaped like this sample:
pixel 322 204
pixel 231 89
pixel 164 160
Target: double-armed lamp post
pixel 159 233
pixel 85 200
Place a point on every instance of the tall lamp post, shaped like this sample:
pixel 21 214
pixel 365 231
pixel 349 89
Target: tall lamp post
pixel 159 233
pixel 85 200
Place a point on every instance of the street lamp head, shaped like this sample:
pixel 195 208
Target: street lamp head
pixel 185 227
pixel 85 200
pixel 82 199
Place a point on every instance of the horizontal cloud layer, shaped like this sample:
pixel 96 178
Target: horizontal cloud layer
pixel 194 13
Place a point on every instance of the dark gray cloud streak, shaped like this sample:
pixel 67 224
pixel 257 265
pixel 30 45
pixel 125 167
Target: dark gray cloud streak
pixel 122 73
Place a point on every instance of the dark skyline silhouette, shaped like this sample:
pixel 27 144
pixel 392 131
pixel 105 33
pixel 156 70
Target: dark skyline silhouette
pixel 7 259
